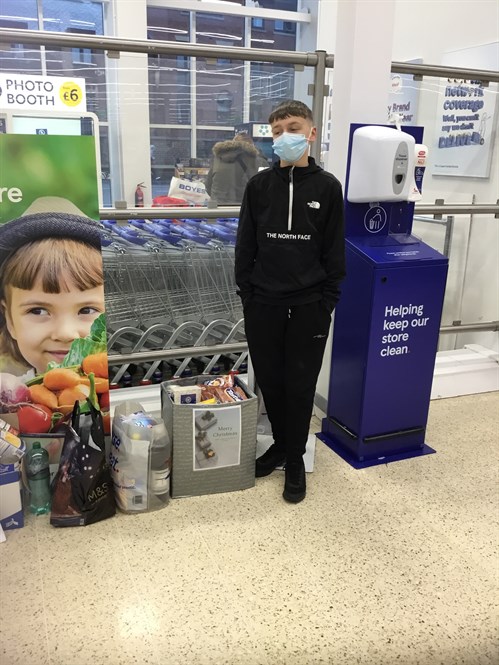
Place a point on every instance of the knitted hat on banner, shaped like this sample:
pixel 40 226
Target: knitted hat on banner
pixel 53 223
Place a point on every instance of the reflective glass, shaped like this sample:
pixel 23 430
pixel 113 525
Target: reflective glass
pixel 169 77
pixel 105 166
pixel 169 90
pixel 199 146
pixel 219 81
pixel 19 58
pixel 472 290
pixel 268 33
pixel 287 5
pixel 169 147
pixel 80 19
pixel 270 84
pixel 207 138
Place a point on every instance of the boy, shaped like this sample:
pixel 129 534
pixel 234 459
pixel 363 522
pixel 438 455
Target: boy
pixel 289 264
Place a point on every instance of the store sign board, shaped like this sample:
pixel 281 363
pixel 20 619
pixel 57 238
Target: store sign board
pixel 465 131
pixel 42 93
pixel 466 117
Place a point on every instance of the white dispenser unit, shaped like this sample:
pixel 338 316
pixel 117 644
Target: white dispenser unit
pixel 382 165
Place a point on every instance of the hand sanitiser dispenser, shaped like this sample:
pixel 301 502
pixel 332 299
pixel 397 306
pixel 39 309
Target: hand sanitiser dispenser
pixel 387 322
pixel 382 165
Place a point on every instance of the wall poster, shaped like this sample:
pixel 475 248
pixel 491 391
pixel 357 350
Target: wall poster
pixel 466 117
pixel 217 437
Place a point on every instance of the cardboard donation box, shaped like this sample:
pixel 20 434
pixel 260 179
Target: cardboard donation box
pixel 11 510
pixel 214 444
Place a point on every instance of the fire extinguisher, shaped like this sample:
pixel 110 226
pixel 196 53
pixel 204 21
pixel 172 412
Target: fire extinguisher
pixel 139 196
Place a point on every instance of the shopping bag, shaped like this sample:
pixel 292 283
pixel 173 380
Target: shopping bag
pixel 194 192
pixel 82 490
pixel 168 201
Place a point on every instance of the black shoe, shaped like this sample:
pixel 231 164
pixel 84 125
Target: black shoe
pixel 295 486
pixel 270 459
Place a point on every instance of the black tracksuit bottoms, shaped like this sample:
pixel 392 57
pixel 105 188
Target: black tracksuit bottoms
pixel 286 346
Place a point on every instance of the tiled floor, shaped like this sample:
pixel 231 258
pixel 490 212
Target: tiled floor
pixel 394 564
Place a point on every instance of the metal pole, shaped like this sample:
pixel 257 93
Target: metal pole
pixel 167 213
pixel 233 211
pixel 43 55
pixel 59 39
pixel 449 230
pixel 193 92
pixel 239 347
pixel 420 70
pixel 318 103
pixel 484 76
pixel 457 209
pixel 487 326
pixel 179 352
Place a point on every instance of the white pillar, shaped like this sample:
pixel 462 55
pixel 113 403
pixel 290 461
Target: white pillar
pixel 361 78
pixel 128 104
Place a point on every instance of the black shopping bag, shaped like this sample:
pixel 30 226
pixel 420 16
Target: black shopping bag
pixel 82 490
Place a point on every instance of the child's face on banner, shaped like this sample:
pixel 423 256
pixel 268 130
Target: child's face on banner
pixel 45 324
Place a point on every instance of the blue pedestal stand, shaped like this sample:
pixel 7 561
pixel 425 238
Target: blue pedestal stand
pixel 385 339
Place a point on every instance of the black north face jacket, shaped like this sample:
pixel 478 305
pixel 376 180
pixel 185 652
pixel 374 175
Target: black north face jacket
pixel 290 245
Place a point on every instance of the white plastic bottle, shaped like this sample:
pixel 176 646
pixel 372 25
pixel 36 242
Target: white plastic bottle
pixel 140 459
pixel 160 462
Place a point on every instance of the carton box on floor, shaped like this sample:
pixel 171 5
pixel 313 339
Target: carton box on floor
pixel 11 510
pixel 12 450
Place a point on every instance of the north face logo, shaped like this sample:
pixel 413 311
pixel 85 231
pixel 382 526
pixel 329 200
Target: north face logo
pixel 314 204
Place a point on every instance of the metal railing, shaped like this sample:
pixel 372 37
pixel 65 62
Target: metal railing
pixel 156 47
pixel 240 347
pixel 233 211
pixel 319 60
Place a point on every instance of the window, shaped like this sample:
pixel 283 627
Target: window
pixel 285 26
pixel 168 148
pixel 84 18
pixel 286 5
pixel 20 58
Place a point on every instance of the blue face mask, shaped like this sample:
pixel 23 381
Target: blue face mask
pixel 290 147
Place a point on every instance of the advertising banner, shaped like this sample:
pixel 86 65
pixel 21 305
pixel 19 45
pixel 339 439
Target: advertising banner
pixel 42 93
pixel 466 117
pixel 52 321
pixel 465 133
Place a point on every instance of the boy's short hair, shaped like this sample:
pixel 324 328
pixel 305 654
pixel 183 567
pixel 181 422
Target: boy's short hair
pixel 291 107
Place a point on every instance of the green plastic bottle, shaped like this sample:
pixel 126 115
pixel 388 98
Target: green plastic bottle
pixel 38 472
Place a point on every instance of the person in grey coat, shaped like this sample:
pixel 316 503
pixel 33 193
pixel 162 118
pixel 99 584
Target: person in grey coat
pixel 234 162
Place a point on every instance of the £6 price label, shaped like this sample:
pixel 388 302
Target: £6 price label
pixel 71 94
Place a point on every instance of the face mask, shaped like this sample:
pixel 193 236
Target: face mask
pixel 290 147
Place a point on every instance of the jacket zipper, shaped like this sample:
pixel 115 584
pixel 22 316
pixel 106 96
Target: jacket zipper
pixel 290 208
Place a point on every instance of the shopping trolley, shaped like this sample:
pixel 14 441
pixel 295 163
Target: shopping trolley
pixel 169 284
